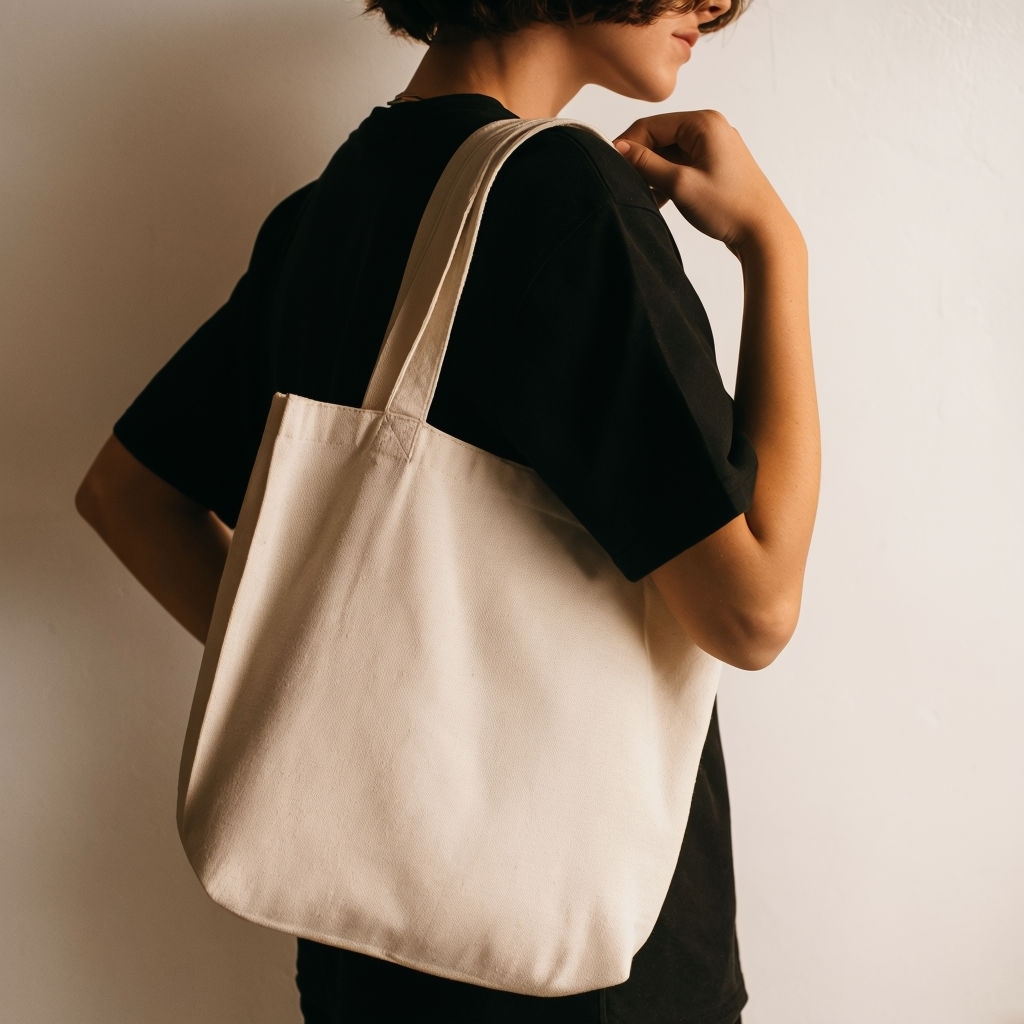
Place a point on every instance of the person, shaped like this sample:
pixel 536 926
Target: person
pixel 580 350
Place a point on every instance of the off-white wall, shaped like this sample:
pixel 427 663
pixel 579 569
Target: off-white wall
pixel 876 768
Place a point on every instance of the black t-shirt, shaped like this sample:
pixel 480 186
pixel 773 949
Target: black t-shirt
pixel 580 349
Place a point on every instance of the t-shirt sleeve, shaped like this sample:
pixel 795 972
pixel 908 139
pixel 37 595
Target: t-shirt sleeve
pixel 199 421
pixel 615 397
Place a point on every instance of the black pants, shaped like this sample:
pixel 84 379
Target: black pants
pixel 339 987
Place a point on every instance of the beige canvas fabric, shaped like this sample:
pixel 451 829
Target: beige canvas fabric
pixel 434 723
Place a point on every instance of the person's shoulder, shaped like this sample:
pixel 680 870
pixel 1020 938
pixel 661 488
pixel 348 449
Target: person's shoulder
pixel 575 158
pixel 284 216
pixel 278 229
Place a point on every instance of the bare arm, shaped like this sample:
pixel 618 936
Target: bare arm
pixel 738 591
pixel 173 546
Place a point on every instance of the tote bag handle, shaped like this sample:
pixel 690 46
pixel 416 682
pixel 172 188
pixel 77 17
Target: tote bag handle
pixel 409 366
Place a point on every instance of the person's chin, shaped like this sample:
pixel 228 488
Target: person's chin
pixel 651 85
pixel 652 91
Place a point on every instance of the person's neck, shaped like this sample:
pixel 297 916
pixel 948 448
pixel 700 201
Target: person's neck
pixel 530 72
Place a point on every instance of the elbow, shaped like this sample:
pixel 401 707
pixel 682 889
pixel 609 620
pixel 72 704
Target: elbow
pixel 738 600
pixel 102 493
pixel 756 637
pixel 89 499
pixel 113 481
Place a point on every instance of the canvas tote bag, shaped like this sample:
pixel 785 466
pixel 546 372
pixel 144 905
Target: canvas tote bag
pixel 434 723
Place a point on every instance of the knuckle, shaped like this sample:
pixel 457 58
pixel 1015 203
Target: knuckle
pixel 712 119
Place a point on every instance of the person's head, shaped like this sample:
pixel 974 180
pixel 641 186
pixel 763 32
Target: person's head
pixel 426 19
pixel 632 47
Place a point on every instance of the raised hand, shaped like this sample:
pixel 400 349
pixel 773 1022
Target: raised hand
pixel 699 161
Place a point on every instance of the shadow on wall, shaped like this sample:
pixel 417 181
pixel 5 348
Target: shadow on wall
pixel 143 155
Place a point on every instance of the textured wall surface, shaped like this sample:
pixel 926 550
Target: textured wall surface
pixel 876 768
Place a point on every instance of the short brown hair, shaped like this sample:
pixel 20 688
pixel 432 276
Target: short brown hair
pixel 421 19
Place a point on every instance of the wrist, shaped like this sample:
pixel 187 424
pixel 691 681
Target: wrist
pixel 778 237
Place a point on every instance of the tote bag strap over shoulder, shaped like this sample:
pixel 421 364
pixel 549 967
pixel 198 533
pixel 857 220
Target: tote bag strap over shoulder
pixel 409 365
